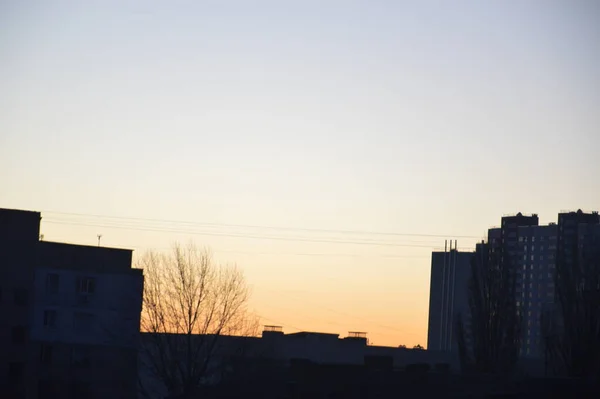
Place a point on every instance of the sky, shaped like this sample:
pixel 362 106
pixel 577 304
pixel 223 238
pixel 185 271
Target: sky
pixel 325 147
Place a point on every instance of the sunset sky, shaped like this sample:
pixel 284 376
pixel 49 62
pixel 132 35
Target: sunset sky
pixel 294 137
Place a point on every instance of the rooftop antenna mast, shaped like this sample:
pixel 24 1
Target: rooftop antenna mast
pixel 99 237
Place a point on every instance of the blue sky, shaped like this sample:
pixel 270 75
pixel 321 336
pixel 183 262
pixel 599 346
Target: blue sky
pixel 388 116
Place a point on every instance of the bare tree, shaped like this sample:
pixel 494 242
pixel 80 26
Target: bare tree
pixel 490 343
pixel 189 304
pixel 571 331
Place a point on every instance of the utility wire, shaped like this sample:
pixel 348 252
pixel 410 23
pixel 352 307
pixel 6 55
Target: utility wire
pixel 164 230
pixel 355 232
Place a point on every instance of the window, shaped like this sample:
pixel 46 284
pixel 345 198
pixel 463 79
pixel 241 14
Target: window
pixel 525 247
pixel 83 322
pixel 86 285
pixel 50 318
pixel 533 239
pixel 21 297
pixel 550 275
pixel 541 257
pixel 533 247
pixel 532 257
pixel 18 334
pixel 52 283
pixel 46 354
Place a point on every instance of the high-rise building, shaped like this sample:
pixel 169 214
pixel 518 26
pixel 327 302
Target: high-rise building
pixel 70 315
pixel 450 271
pixel 532 252
pixel 535 282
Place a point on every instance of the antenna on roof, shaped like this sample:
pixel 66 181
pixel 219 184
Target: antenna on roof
pixel 99 237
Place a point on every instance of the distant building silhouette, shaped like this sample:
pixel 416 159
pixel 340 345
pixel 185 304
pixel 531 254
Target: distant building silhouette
pixel 450 272
pixel 532 251
pixel 241 358
pixel 70 315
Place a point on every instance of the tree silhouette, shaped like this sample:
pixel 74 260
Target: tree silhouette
pixel 571 331
pixel 189 303
pixel 490 341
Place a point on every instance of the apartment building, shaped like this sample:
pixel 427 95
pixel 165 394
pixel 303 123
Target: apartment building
pixel 19 235
pixel 450 272
pixel 536 266
pixel 79 326
pixel 532 252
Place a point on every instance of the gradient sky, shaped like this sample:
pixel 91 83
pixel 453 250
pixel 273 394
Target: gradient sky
pixel 382 116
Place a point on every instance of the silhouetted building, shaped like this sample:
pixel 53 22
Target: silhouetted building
pixel 19 234
pixel 241 361
pixel 75 314
pixel 572 229
pixel 536 266
pixel 450 272
pixel 531 251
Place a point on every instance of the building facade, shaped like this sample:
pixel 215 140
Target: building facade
pixel 450 271
pixel 532 253
pixel 80 321
pixel 536 266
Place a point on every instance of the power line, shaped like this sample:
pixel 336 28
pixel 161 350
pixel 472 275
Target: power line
pixel 355 232
pixel 110 223
pixel 163 230
pixel 278 323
